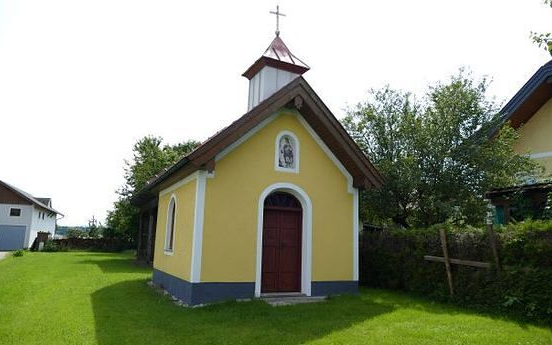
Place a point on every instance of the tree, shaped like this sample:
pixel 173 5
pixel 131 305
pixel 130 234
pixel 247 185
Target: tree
pixel 76 233
pixel 150 157
pixel 543 40
pixel 434 153
pixel 94 228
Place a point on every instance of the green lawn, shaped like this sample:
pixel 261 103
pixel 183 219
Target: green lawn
pixel 98 298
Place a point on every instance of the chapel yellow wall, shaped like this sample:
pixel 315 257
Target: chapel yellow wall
pixel 178 264
pixel 536 135
pixel 231 207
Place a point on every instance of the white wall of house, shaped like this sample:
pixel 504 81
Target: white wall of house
pixel 33 217
pixel 41 220
pixel 24 219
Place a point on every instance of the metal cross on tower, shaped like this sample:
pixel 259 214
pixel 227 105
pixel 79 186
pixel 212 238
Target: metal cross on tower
pixel 278 14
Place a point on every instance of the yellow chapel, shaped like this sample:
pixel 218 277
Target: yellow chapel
pixel 268 205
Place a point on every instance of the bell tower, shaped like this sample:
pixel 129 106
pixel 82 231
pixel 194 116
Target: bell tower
pixel 273 70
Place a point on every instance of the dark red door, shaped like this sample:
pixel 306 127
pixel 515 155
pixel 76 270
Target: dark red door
pixel 281 265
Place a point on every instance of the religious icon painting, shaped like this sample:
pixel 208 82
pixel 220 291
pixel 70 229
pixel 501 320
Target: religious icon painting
pixel 287 150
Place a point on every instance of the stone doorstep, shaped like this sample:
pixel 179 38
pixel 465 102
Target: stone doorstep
pixel 282 294
pixel 283 299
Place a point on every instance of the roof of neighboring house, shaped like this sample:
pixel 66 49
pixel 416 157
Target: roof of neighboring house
pixel 297 94
pixel 40 202
pixel 529 99
pixel 541 186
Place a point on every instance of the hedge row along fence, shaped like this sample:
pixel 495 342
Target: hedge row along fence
pixel 94 244
pixel 394 259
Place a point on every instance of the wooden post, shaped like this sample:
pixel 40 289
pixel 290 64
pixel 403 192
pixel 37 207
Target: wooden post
pixel 447 260
pixel 492 239
pixel 492 236
pixel 139 239
pixel 149 249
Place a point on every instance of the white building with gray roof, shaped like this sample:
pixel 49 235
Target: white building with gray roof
pixel 22 216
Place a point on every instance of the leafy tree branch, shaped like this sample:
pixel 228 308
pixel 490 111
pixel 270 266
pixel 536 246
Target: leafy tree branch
pixel 149 157
pixel 543 40
pixel 435 153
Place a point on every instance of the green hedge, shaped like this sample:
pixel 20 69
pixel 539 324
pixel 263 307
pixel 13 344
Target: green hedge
pixel 394 258
pixel 94 244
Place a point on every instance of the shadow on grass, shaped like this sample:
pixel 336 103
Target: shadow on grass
pixel 403 300
pixel 97 253
pixel 131 312
pixel 116 264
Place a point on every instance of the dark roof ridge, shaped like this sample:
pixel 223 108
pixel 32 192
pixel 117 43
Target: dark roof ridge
pixel 540 77
pixel 29 197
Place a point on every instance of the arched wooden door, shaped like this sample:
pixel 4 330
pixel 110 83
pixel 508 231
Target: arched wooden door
pixel 282 233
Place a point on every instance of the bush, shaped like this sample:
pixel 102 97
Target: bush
pixel 394 258
pixel 18 253
pixel 76 233
pixel 50 246
pixel 94 244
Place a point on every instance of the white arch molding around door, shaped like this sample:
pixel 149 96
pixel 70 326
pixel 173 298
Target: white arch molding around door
pixel 306 246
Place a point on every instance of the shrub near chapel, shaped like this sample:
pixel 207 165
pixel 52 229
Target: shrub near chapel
pixel 434 153
pixel 395 259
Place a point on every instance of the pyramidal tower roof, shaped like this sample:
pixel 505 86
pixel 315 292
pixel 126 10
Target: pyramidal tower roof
pixel 277 55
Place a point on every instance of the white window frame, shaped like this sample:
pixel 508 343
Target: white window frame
pixel 15 208
pixel 296 152
pixel 170 222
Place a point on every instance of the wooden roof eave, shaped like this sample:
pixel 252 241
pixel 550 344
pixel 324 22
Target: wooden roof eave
pixel 373 175
pixel 208 150
pixel 238 128
pixel 350 161
pixel 365 175
pixel 529 98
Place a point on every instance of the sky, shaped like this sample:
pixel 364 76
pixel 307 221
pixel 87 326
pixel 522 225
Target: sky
pixel 81 81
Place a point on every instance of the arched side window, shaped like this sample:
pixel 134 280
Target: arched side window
pixel 287 152
pixel 171 225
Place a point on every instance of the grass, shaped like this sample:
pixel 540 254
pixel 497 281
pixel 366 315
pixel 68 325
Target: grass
pixel 100 298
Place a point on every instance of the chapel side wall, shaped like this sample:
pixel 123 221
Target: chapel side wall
pixel 536 136
pixel 232 198
pixel 178 264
